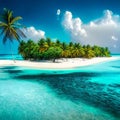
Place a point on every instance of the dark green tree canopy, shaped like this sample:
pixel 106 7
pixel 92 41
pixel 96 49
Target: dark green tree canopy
pixel 46 49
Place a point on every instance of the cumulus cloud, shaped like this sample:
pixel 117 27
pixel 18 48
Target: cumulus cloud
pixel 58 12
pixel 32 33
pixel 73 25
pixel 104 31
pixel 109 19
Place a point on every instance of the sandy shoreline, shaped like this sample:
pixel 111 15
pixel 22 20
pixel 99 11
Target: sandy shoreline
pixel 60 63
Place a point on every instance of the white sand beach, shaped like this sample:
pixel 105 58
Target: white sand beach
pixel 59 64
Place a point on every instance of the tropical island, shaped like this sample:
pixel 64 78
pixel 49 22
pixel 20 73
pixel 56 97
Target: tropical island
pixel 46 49
pixel 59 66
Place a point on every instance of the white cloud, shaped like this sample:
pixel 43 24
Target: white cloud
pixel 104 31
pixel 32 33
pixel 73 25
pixel 58 12
pixel 114 38
pixel 107 19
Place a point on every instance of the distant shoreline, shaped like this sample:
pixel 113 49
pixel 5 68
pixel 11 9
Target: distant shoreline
pixel 59 64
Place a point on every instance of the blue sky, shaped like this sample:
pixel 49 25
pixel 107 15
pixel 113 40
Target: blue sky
pixel 85 21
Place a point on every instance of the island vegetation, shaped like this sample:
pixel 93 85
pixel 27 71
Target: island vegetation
pixel 46 49
pixel 10 28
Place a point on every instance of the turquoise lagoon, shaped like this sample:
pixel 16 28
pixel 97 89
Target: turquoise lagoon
pixel 85 93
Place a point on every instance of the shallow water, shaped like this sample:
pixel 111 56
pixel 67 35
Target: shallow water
pixel 10 56
pixel 86 93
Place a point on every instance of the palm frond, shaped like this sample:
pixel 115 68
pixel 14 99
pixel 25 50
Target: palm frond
pixel 10 14
pixel 5 38
pixel 20 32
pixel 14 34
pixel 4 16
pixel 18 25
pixel 2 24
pixel 15 19
pixel 10 27
pixel 4 30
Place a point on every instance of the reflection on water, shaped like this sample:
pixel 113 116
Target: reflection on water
pixel 85 93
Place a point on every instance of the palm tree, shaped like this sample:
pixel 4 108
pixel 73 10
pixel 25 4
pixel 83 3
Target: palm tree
pixel 10 28
pixel 21 49
pixel 43 45
pixel 64 46
pixel 58 43
pixel 66 54
pixel 49 42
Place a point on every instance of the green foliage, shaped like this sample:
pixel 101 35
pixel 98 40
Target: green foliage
pixel 46 49
pixel 10 27
pixel 53 53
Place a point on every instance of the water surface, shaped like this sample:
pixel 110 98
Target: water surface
pixel 85 93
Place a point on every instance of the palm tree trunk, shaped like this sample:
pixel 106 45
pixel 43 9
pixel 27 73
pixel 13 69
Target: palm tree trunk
pixel 54 59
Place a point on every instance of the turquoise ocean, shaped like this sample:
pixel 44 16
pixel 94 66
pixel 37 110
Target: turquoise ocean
pixel 83 93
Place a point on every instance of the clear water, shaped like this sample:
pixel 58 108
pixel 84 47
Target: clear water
pixel 86 93
pixel 10 56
